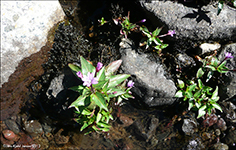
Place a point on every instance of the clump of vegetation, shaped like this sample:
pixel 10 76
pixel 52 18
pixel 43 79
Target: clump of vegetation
pixel 199 96
pixel 100 86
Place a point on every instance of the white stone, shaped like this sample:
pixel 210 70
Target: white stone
pixel 208 47
pixel 24 29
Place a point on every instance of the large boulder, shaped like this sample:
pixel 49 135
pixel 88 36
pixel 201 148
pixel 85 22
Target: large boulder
pixel 194 23
pixel 149 74
pixel 25 27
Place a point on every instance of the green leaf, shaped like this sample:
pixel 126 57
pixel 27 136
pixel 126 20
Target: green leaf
pixel 156 32
pixel 221 66
pixel 191 87
pixel 191 103
pixel 209 75
pixel 234 3
pixel 211 67
pixel 220 7
pixel 86 112
pixel 99 85
pixel 217 106
pixel 85 125
pixel 157 41
pixel 180 83
pixel 197 94
pixel 99 100
pixel 200 84
pixel 104 125
pixel 145 31
pixel 86 66
pixel 200 73
pixel 164 46
pixel 179 94
pixel 215 94
pixel 112 67
pixel 117 92
pixel 101 74
pixel 77 88
pixel 74 69
pixel 149 42
pixel 188 94
pixel 98 118
pixel 117 79
pixel 201 111
pixel 80 101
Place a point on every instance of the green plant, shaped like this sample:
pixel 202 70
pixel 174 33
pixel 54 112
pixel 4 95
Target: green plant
pixel 153 37
pixel 100 85
pixel 102 21
pixel 198 95
pixel 126 25
pixel 212 64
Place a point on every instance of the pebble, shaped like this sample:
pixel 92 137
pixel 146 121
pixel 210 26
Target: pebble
pixel 221 146
pixel 189 126
pixel 10 135
pixel 12 125
pixel 32 127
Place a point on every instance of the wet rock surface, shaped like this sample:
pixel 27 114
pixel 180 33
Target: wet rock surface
pixel 25 31
pixel 151 84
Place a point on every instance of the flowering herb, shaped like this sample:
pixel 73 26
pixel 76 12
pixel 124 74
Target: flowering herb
pixel 211 64
pixel 198 95
pixel 126 25
pixel 100 85
pixel 152 37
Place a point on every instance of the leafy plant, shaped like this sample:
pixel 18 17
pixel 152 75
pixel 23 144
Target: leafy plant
pixel 153 37
pixel 199 97
pixel 126 25
pixel 102 21
pixel 100 85
pixel 212 64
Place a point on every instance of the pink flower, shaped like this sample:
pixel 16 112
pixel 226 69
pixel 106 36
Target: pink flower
pixel 79 74
pixel 89 80
pixel 130 84
pixel 228 55
pixel 171 32
pixel 99 66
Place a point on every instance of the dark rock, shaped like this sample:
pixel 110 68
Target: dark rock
pixel 146 127
pixel 229 111
pixel 151 84
pixel 195 23
pixel 12 125
pixel 127 121
pixel 210 120
pixel 183 60
pixel 228 88
pixel 61 139
pixel 221 124
pixel 195 144
pixel 230 138
pixel 220 146
pixel 46 128
pixel 189 126
pixel 32 127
